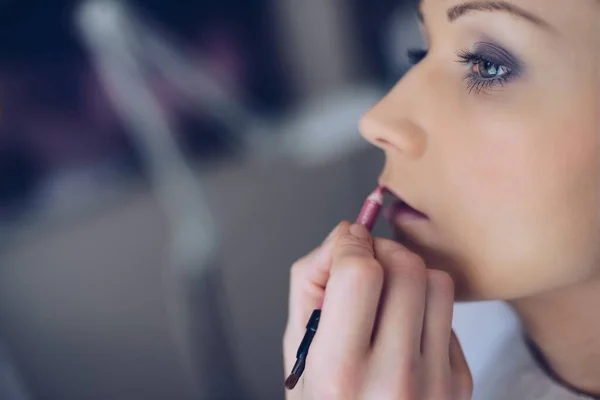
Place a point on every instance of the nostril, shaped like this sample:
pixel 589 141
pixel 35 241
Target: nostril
pixel 383 142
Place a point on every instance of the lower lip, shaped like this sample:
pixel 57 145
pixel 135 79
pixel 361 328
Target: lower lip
pixel 401 213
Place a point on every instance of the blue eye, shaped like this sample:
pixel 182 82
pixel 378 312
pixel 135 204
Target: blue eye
pixel 489 66
pixel 489 70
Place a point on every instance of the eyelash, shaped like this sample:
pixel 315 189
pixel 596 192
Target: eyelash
pixel 475 82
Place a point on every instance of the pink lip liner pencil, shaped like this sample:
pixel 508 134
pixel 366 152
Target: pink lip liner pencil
pixel 368 216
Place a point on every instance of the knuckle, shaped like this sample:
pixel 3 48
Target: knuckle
pixel 408 389
pixel 404 263
pixel 411 267
pixel 299 267
pixel 404 386
pixel 336 385
pixel 360 269
pixel 395 393
pixel 441 281
pixel 302 276
pixel 440 387
pixel 333 390
pixel 351 244
pixel 410 367
pixel 409 258
pixel 295 271
pixel 386 245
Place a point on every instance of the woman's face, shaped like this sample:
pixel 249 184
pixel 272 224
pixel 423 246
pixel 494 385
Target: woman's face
pixel 495 136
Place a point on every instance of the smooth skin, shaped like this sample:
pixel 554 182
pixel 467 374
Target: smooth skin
pixel 509 177
pixel 386 323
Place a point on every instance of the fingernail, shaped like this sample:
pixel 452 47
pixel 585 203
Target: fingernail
pixel 360 231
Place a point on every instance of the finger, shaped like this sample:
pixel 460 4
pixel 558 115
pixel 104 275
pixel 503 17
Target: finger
pixel 462 380
pixel 351 299
pixel 402 308
pixel 457 357
pixel 308 278
pixel 438 324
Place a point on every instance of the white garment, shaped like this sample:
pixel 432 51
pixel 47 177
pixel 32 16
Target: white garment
pixel 502 365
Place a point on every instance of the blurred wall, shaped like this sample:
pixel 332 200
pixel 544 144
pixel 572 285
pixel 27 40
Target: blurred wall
pixel 83 310
pixel 319 44
pixel 82 305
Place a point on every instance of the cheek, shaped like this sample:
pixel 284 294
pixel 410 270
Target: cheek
pixel 525 209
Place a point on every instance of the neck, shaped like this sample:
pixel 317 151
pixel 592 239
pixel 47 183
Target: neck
pixel 565 326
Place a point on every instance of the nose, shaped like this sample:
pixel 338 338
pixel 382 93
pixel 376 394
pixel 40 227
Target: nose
pixel 392 123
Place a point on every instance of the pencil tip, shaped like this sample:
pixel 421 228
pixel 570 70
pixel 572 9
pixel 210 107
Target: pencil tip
pixel 291 381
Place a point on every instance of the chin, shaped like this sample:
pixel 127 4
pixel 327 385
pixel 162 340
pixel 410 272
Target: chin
pixel 463 273
pixel 419 232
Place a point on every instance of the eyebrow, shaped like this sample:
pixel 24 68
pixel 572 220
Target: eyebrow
pixel 460 10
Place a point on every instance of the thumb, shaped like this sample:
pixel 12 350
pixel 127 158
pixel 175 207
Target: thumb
pixel 354 243
pixel 352 297
pixel 308 278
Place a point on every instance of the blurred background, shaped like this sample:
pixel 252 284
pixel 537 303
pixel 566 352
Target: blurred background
pixel 162 164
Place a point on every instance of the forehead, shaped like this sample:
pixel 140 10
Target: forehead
pixel 565 8
pixel 568 16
